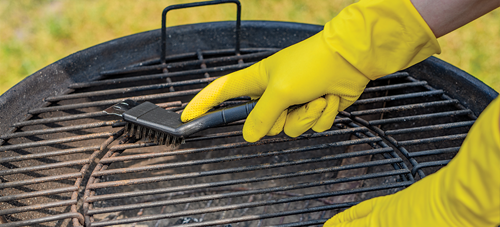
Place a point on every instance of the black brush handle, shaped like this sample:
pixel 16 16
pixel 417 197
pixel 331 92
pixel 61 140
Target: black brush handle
pixel 154 117
pixel 218 117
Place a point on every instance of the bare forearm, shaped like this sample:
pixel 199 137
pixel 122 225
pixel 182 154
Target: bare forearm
pixel 444 16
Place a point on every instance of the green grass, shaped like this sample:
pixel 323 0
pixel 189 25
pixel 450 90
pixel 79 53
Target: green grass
pixel 37 33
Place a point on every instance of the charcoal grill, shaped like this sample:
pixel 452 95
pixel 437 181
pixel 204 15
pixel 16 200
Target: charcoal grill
pixel 65 163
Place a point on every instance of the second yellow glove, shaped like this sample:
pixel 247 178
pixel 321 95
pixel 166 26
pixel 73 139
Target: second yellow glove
pixel 328 71
pixel 464 193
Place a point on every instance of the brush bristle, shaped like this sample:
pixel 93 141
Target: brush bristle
pixel 151 135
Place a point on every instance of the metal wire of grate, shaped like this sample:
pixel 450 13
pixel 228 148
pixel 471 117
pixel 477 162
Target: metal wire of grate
pixel 68 160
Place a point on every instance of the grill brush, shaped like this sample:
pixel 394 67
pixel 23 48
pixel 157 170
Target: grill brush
pixel 150 122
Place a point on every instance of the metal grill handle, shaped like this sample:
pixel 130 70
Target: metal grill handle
pixel 196 4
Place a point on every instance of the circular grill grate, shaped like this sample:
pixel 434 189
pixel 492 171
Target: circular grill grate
pixel 67 165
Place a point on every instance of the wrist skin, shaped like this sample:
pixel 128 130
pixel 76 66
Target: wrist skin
pixel 444 16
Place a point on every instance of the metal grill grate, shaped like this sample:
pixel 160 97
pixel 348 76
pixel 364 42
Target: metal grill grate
pixel 216 178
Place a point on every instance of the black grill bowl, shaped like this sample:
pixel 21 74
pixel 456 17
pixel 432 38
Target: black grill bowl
pixel 63 164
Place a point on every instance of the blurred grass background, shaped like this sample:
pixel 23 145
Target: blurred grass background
pixel 35 33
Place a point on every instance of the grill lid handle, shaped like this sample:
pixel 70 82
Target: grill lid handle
pixel 196 4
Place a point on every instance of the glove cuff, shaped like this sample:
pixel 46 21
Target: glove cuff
pixel 379 37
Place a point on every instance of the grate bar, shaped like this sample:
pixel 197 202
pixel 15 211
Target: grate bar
pixel 223 159
pixel 217 160
pixel 56 141
pixel 180 56
pixel 82 116
pixel 434 152
pixel 214 136
pixel 58 119
pixel 263 190
pixel 189 63
pixel 255 204
pixel 38 193
pixel 430 128
pixel 222 171
pixel 37 207
pixel 226 146
pixel 129 89
pixel 214 60
pixel 56 217
pixel 48 154
pixel 59 129
pixel 399 97
pixel 160 67
pixel 431 140
pixel 404 107
pixel 114 101
pixel 40 180
pixel 160 76
pixel 298 224
pixel 177 57
pixel 174 57
pixel 420 117
pixel 230 182
pixel 42 167
pixel 428 164
pixel 238 133
pixel 395 86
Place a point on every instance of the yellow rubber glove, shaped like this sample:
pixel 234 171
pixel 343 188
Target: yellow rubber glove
pixel 466 192
pixel 329 70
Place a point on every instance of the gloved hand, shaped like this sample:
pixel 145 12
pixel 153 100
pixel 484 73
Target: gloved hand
pixel 466 192
pixel 329 70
